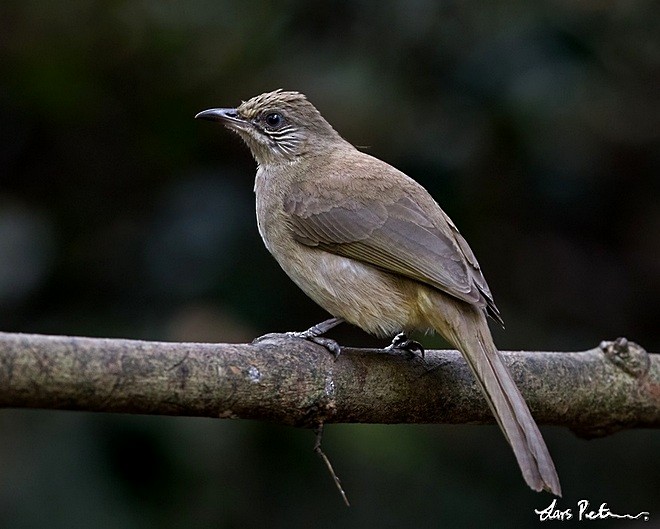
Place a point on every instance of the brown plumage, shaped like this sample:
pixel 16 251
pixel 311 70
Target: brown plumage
pixel 372 247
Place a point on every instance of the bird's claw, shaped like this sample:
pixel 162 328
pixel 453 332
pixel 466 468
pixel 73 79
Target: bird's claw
pixel 401 342
pixel 328 343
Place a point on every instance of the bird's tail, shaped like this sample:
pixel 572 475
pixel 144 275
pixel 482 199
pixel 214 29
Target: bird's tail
pixel 469 333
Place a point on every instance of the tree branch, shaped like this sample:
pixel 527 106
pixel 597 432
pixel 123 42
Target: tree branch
pixel 291 381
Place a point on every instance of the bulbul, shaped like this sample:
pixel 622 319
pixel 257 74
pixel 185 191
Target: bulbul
pixel 373 248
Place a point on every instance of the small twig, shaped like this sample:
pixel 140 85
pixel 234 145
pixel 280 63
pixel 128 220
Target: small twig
pixel 319 451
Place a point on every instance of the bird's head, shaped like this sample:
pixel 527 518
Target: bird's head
pixel 278 126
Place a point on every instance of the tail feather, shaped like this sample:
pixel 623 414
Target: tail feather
pixel 473 339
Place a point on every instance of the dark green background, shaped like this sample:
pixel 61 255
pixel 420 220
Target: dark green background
pixel 536 127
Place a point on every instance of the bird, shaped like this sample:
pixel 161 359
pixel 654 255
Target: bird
pixel 373 248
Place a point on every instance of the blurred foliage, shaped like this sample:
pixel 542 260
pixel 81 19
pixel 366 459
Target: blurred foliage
pixel 536 126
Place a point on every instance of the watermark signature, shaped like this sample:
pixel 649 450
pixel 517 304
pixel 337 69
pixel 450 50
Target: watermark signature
pixel 585 512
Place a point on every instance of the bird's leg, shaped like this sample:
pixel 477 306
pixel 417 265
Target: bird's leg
pixel 313 334
pixel 401 342
pixel 319 328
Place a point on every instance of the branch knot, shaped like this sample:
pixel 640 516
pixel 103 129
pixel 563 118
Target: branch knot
pixel 628 356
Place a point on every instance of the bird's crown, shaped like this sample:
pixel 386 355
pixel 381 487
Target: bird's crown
pixel 276 100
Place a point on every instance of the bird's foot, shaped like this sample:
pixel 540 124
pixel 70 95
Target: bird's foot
pixel 313 334
pixel 330 344
pixel 401 342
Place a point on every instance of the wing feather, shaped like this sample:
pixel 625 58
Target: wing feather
pixel 397 236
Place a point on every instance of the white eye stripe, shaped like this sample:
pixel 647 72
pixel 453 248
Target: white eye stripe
pixel 280 132
pixel 283 136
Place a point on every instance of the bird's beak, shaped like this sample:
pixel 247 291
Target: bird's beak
pixel 227 116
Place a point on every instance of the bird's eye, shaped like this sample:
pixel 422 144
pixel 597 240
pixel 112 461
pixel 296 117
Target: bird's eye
pixel 274 120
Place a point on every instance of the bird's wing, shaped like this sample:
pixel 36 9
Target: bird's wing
pixel 393 234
